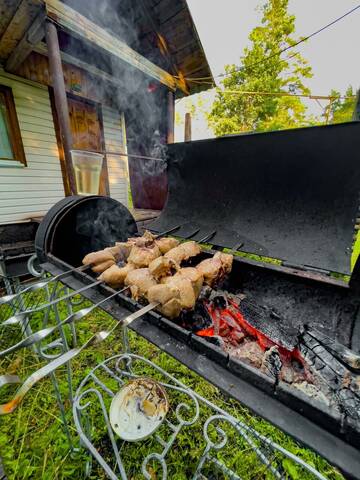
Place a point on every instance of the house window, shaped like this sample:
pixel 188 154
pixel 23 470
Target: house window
pixel 11 147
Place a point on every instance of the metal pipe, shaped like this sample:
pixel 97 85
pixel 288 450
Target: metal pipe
pixel 133 155
pixel 61 103
pixel 170 117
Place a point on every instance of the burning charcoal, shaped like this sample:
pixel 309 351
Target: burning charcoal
pixel 294 371
pixel 287 373
pixel 197 320
pixel 350 403
pixel 218 341
pixel 332 376
pixel 260 318
pixel 220 301
pixel 250 352
pixel 312 391
pixel 271 363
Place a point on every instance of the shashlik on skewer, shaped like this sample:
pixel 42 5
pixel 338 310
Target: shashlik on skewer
pixel 148 247
pixel 216 268
pixel 183 252
pixel 156 277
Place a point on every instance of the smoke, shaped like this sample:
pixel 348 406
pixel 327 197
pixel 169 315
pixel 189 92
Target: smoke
pixel 99 223
pixel 142 99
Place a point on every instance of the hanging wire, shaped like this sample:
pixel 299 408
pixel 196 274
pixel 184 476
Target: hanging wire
pixel 304 39
pixel 288 94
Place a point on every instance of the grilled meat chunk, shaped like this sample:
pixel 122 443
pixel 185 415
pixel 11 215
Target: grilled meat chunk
pixel 166 244
pixel 214 269
pixel 169 298
pixel 121 251
pixel 162 293
pixel 139 281
pixel 226 260
pixel 194 276
pixel 187 293
pixel 183 252
pixel 146 240
pixel 143 256
pixel 171 309
pixel 100 261
pixel 162 267
pixel 115 276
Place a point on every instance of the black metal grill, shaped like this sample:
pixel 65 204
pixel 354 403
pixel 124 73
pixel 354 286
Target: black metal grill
pixel 286 297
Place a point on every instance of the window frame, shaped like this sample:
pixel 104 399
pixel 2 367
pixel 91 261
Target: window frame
pixel 15 132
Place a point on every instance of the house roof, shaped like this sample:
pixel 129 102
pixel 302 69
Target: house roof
pixel 162 31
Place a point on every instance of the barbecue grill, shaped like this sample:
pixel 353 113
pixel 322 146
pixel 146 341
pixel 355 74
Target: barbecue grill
pixel 289 195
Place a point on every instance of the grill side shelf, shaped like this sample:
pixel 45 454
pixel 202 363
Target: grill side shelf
pixel 235 379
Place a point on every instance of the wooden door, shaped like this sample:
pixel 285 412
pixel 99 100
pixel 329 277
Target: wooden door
pixel 85 126
pixel 87 132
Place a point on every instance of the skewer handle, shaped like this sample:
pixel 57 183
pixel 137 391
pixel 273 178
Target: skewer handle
pixel 10 406
pixel 41 284
pixel 40 335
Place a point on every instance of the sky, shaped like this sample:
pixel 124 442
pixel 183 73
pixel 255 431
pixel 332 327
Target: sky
pixel 224 26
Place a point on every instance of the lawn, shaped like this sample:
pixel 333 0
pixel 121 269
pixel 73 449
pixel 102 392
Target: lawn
pixel 33 444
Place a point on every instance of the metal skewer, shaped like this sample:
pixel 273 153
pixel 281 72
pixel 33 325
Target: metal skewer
pixel 207 237
pixel 19 317
pixel 41 284
pixel 166 232
pixel 10 406
pixel 40 335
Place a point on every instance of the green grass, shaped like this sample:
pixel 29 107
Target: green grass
pixel 33 444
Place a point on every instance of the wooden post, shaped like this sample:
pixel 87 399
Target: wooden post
pixel 356 113
pixel 170 117
pixel 61 103
pixel 187 134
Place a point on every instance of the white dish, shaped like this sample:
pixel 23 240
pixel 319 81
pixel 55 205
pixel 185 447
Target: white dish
pixel 138 409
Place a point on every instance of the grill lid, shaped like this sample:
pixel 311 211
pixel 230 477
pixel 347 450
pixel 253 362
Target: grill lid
pixel 290 195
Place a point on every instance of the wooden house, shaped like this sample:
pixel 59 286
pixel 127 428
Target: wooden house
pixel 94 75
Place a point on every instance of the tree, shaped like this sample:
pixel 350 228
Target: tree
pixel 342 109
pixel 264 70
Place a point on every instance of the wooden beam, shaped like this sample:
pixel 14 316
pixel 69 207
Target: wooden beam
pixel 187 133
pixel 7 10
pixel 25 14
pixel 23 49
pixel 71 60
pixel 163 46
pixel 80 26
pixel 61 103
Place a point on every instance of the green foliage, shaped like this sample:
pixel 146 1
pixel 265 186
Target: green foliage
pixel 263 70
pixel 342 109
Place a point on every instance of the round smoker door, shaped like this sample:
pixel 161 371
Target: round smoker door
pixel 86 225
